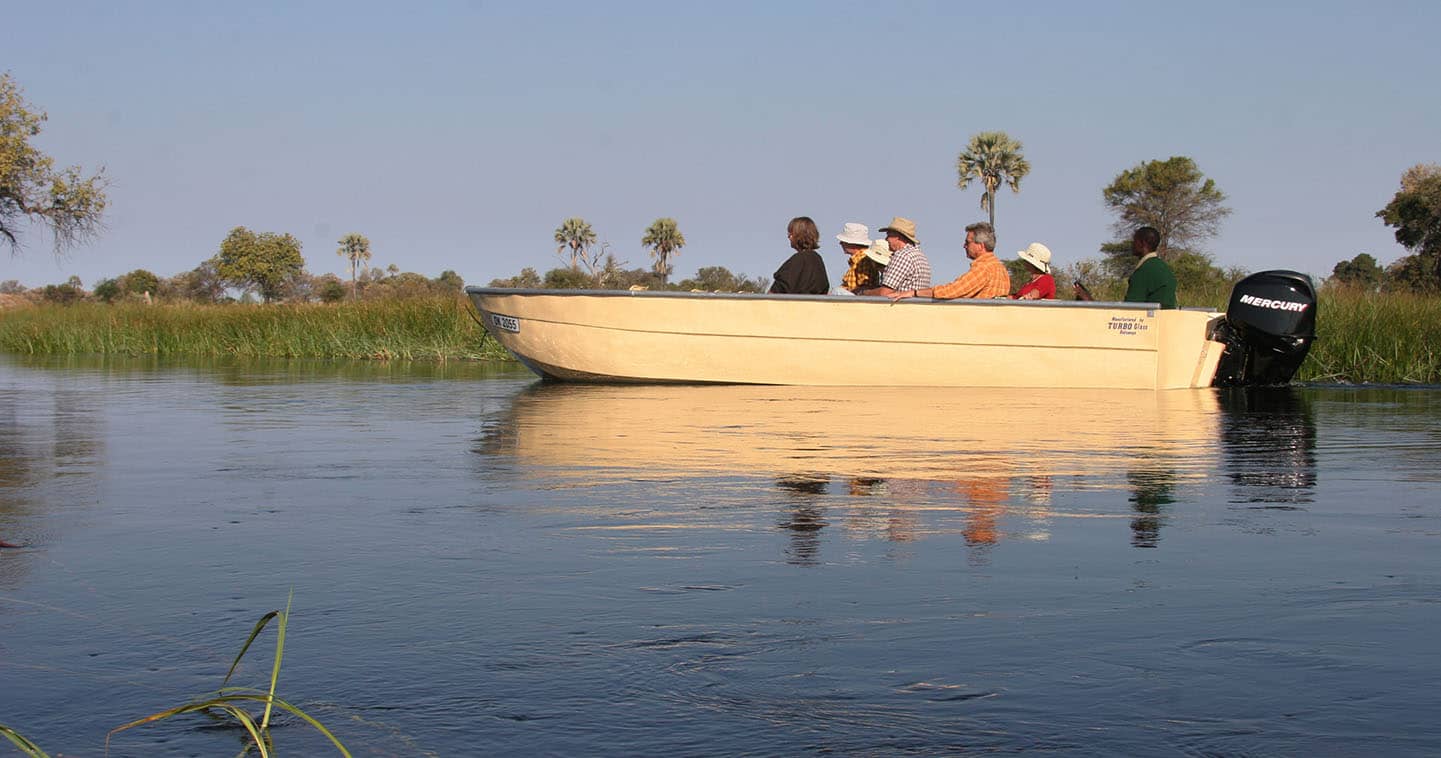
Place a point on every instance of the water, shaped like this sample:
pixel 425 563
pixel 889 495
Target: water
pixel 482 564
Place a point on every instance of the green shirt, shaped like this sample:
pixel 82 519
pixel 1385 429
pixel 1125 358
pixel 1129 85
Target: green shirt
pixel 1152 282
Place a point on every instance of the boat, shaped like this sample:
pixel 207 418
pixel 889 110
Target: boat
pixel 610 336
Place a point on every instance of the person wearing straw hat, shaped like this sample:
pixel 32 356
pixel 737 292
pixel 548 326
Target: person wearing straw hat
pixel 908 268
pixel 1042 285
pixel 987 277
pixel 804 273
pixel 865 270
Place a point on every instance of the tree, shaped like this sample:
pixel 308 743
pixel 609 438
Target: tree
pixel 201 284
pixel 140 281
pixel 108 290
pixel 664 240
pixel 1361 272
pixel 330 289
pixel 355 248
pixel 995 159
pixel 32 190
pixel 266 262
pixel 1171 195
pixel 1411 273
pixel 1415 213
pixel 574 234
pixel 450 281
pixel 567 279
pixel 71 291
pixel 527 279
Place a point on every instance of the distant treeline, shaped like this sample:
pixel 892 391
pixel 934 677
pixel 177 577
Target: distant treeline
pixel 612 277
pixel 203 285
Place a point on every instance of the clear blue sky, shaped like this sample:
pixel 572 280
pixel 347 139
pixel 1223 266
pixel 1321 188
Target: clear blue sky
pixel 459 135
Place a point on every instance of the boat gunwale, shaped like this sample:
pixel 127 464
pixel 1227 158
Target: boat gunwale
pixel 666 294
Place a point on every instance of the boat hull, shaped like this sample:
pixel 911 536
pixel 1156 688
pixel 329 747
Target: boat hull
pixel 605 336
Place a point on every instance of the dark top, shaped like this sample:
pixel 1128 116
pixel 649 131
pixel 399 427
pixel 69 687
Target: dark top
pixel 802 274
pixel 1152 282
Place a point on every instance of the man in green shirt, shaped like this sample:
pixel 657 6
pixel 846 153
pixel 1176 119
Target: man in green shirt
pixel 1152 280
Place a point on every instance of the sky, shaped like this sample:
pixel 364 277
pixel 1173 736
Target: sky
pixel 458 135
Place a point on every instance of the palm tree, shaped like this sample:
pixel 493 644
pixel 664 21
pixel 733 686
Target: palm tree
pixel 664 240
pixel 994 158
pixel 356 248
pixel 577 236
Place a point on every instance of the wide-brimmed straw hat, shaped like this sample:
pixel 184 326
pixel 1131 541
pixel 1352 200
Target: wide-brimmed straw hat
pixel 904 227
pixel 880 252
pixel 1037 255
pixel 855 234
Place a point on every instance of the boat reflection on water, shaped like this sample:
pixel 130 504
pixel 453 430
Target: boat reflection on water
pixel 895 464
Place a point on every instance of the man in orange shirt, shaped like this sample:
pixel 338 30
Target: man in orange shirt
pixel 986 279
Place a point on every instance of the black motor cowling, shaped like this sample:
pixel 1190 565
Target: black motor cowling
pixel 1268 329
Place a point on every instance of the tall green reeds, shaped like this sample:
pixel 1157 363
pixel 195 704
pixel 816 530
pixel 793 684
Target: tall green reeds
pixel 416 328
pixel 1392 338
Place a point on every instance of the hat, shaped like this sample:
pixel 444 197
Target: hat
pixel 1037 255
pixel 855 234
pixel 880 252
pixel 904 227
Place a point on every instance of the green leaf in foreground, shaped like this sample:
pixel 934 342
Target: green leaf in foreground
pixel 232 701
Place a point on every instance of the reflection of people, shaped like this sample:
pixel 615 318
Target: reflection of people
pixel 908 268
pixel 1152 490
pixel 804 273
pixel 1042 285
pixel 986 278
pixel 1152 281
pixel 864 271
pixel 986 502
pixel 806 517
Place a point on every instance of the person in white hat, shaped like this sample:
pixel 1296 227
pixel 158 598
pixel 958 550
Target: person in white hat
pixel 1042 285
pixel 865 269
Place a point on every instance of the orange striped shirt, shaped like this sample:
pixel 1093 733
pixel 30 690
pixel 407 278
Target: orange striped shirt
pixel 987 278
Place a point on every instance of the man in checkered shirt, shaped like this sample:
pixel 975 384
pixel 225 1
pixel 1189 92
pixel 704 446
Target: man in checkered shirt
pixel 909 270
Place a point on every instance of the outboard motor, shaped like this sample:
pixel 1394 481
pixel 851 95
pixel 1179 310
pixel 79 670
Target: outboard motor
pixel 1268 328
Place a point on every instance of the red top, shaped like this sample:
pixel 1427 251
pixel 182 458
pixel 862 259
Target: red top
pixel 1043 285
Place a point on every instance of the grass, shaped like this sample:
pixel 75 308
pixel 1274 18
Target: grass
pixel 1392 338
pixel 419 328
pixel 234 703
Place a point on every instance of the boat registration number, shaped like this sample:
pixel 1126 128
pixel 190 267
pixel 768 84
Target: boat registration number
pixel 506 323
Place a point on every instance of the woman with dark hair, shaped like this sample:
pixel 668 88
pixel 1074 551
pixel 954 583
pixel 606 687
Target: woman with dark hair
pixel 804 273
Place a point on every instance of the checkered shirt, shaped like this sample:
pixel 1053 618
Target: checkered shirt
pixel 908 270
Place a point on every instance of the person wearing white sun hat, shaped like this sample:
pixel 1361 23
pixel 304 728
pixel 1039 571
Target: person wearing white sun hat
pixel 1042 285
pixel 865 270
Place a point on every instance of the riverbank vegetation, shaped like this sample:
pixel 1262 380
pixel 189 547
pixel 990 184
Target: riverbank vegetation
pixel 426 327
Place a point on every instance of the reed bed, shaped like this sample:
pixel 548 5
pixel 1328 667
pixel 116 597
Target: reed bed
pixel 1392 338
pixel 420 328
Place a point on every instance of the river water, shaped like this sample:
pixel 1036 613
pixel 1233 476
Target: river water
pixel 484 564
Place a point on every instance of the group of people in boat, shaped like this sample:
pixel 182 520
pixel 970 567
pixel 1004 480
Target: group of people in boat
pixel 895 267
